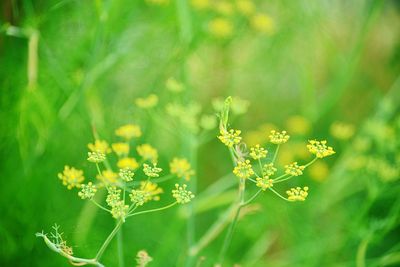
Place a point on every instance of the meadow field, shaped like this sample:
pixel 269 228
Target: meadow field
pixel 195 133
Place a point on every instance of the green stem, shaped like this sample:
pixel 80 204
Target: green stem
pixel 153 210
pixel 279 195
pixel 108 240
pixel 276 153
pixel 99 205
pixel 281 180
pixel 120 243
pixel 252 198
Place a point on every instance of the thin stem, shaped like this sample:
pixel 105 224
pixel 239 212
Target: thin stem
pixel 311 162
pixel 280 177
pixel 276 153
pixel 99 205
pixel 279 195
pixel 281 180
pixel 98 169
pixel 108 240
pixel 153 210
pixel 252 198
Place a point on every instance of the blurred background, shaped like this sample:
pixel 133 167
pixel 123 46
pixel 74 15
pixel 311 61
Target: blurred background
pixel 319 69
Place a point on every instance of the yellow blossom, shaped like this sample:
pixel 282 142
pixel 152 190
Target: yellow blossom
pixel 230 138
pixel 108 177
pixel 152 189
pixel 181 167
pixel 129 131
pixel 181 194
pixel 147 102
pixel 263 23
pixel 319 148
pixel 147 152
pixel 121 149
pixel 294 169
pixel 221 27
pixel 127 163
pixel 100 146
pixel 258 152
pixel 243 169
pixel 278 137
pixel 264 183
pixel 297 194
pixel 71 177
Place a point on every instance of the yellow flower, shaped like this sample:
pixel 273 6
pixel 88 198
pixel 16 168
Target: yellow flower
pixel 88 191
pixel 200 4
pixel 152 189
pixel 278 137
pixel 258 152
pixel 221 27
pixel 181 167
pixel 243 169
pixel 263 23
pixel 268 169
pixel 108 177
pixel 100 146
pixel 264 183
pixel 245 7
pixel 230 138
pixel 119 210
pixel 319 148
pixel 130 163
pixel 298 125
pixel 120 149
pixel 128 131
pixel 182 195
pixel 147 102
pixel 147 152
pixel 294 169
pixel 342 131
pixel 71 177
pixel 297 194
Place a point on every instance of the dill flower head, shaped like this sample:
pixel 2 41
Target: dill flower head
pixel 243 169
pixel 113 196
pixel 220 27
pixel 126 174
pixel 129 131
pixel 230 138
pixel 320 149
pixel 139 197
pixel 173 85
pixel 87 191
pixel 294 169
pixel 147 152
pixel 143 258
pixel 268 169
pixel 121 149
pixel 263 23
pixel 258 152
pixel 108 177
pixel 119 210
pixel 152 189
pixel 181 167
pixel 278 138
pixel 245 7
pixel 127 163
pixel 71 177
pixel 182 195
pixel 297 194
pixel 96 157
pixel 100 146
pixel 147 102
pixel 151 171
pixel 264 183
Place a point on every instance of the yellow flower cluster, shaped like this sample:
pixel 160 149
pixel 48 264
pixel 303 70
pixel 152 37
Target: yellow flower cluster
pixel 320 149
pixel 151 171
pixel 294 169
pixel 129 131
pixel 258 152
pixel 121 149
pixel 108 177
pixel 181 167
pixel 268 169
pixel 230 138
pixel 147 152
pixel 152 189
pixel 278 138
pixel 71 177
pixel 100 146
pixel 147 102
pixel 264 183
pixel 88 191
pixel 297 194
pixel 182 195
pixel 243 169
pixel 127 162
